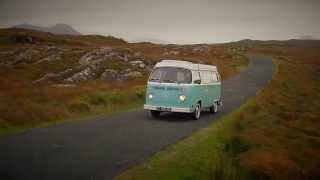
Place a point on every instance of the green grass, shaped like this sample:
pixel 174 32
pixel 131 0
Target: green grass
pixel 273 136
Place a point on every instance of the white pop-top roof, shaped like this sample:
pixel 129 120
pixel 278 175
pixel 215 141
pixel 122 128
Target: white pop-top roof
pixel 185 64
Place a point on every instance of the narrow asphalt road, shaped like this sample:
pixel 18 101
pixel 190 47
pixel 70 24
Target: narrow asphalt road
pixel 102 147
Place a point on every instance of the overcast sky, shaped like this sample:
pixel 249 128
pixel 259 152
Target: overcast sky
pixel 176 21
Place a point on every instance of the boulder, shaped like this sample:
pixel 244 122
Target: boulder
pixel 142 65
pixel 175 53
pixel 109 74
pixel 201 49
pixel 137 54
pixel 96 55
pixel 26 56
pixel 138 63
pixel 49 58
pixel 83 75
pixel 56 76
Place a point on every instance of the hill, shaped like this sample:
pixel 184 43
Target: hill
pixel 151 40
pixel 56 29
pixel 45 77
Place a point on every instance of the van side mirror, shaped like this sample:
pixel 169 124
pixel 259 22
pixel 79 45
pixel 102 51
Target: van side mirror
pixel 198 81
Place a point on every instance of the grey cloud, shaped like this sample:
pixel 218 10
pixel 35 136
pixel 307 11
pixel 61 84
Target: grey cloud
pixel 179 21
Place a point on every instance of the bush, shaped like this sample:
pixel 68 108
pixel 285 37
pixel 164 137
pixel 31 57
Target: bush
pixel 236 145
pixel 79 107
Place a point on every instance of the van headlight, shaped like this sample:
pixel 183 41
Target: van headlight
pixel 150 96
pixel 182 97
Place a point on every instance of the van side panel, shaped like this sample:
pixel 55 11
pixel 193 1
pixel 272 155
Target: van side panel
pixel 214 92
pixel 197 93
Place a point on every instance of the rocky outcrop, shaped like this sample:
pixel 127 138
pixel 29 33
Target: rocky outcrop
pixel 83 75
pixel 174 53
pixel 25 57
pixel 201 49
pixel 95 56
pixel 110 74
pixel 94 65
pixel 138 63
pixel 55 76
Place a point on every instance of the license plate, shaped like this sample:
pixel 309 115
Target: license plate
pixel 163 109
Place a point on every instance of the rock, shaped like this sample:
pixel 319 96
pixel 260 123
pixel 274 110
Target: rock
pixel 49 58
pixel 106 50
pixel 136 62
pixel 175 53
pixel 83 75
pixel 96 55
pixel 46 77
pixel 142 65
pixel 109 74
pixel 137 54
pixel 26 56
pixel 201 49
pixel 101 54
pixel 54 76
pixel 133 75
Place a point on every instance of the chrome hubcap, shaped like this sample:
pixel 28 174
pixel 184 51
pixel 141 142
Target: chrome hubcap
pixel 198 111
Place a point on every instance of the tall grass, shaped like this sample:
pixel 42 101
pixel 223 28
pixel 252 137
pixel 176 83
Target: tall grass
pixel 35 106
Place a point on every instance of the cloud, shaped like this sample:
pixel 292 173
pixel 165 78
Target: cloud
pixel 180 21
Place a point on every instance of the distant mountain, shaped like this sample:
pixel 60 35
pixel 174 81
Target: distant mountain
pixel 308 37
pixel 152 40
pixel 56 29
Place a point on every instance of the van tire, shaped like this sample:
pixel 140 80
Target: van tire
pixel 214 108
pixel 154 113
pixel 197 111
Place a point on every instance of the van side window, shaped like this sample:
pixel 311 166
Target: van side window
pixel 215 77
pixel 204 77
pixel 196 75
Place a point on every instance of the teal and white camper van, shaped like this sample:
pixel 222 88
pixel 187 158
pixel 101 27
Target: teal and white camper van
pixel 182 86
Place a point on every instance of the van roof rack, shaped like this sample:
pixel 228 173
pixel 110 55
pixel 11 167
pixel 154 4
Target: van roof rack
pixel 185 64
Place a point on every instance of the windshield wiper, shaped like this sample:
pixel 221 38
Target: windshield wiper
pixel 169 81
pixel 154 79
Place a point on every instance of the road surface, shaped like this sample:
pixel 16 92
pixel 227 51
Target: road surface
pixel 104 146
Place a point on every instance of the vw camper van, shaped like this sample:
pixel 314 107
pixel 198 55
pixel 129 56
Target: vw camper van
pixel 182 86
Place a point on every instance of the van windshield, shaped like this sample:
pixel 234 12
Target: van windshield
pixel 171 75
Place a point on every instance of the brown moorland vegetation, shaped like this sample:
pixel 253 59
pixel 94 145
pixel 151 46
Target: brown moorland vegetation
pixel 46 78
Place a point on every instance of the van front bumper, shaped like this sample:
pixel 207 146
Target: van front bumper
pixel 168 109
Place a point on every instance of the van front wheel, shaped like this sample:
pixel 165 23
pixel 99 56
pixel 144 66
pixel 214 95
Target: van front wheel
pixel 197 112
pixel 154 113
